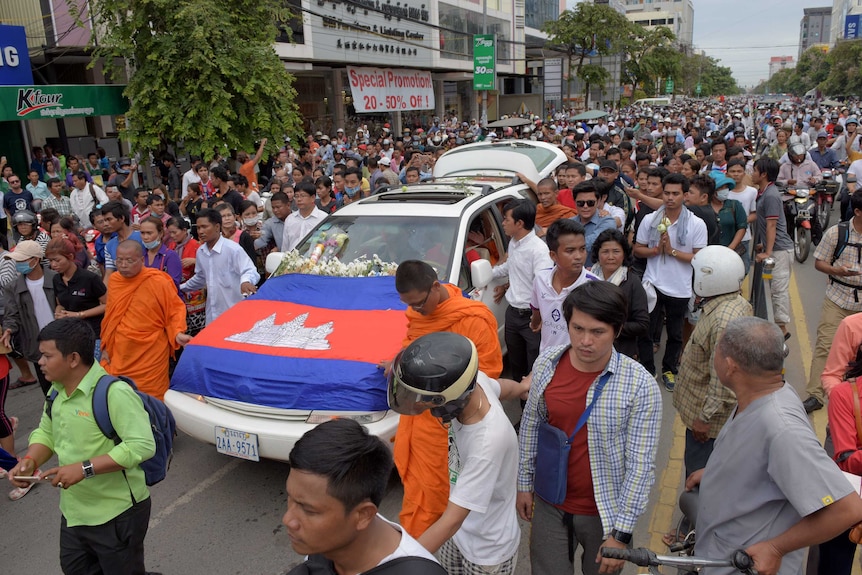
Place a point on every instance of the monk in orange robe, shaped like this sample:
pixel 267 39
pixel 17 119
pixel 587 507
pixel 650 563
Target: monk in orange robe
pixel 422 442
pixel 550 209
pixel 144 324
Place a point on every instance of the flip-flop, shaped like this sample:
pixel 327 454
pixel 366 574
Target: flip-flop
pixel 20 492
pixel 21 383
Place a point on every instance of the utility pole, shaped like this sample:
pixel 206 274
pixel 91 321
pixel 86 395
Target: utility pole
pixel 483 121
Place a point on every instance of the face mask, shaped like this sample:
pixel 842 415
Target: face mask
pixel 23 268
pixel 251 221
pixel 723 194
pixel 152 244
pixel 351 191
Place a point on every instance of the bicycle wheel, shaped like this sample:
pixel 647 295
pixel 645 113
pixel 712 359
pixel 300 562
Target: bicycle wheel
pixel 802 246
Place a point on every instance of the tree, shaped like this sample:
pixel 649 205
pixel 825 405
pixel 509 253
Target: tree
pixel 714 80
pixel 845 72
pixel 200 71
pixel 650 54
pixel 588 30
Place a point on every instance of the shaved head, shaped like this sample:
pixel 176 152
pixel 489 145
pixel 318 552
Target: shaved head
pixel 130 258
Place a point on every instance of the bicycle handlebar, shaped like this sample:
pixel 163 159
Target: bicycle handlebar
pixel 642 557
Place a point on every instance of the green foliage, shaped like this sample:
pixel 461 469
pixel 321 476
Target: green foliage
pixel 588 27
pixel 845 69
pixel 812 70
pixel 714 80
pixel 650 54
pixel 201 71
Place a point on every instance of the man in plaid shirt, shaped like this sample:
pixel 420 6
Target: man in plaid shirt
pixel 612 457
pixel 702 402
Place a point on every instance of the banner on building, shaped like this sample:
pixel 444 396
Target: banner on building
pixel 390 89
pixel 14 57
pixel 62 101
pixel 851 26
pixel 484 62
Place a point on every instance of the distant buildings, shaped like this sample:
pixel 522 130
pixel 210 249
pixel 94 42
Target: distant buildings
pixel 845 20
pixel 815 28
pixel 778 63
pixel 678 15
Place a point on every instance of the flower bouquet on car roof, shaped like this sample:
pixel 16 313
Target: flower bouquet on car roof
pixel 322 259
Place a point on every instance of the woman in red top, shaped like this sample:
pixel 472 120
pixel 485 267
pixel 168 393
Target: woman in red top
pixel 186 247
pixel 836 556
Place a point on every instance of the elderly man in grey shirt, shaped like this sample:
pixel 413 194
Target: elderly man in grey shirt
pixel 769 487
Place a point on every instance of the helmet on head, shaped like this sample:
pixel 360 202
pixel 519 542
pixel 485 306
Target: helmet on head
pixel 437 372
pixel 796 149
pixel 718 270
pixel 24 217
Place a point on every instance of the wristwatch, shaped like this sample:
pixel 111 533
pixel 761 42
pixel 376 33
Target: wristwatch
pixel 90 472
pixel 673 253
pixel 621 536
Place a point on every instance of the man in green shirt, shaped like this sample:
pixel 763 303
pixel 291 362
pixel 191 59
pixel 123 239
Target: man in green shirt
pixel 104 499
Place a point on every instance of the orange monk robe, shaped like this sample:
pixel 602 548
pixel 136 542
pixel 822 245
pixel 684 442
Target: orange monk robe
pixel 421 442
pixel 547 216
pixel 143 316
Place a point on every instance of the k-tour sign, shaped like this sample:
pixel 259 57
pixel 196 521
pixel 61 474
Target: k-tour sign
pixel 64 101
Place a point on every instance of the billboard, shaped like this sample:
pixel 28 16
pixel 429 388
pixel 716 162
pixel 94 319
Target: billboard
pixel 390 89
pixel 14 57
pixel 63 101
pixel 851 26
pixel 484 62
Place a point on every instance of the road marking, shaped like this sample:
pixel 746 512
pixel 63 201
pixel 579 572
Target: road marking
pixel 804 344
pixel 188 496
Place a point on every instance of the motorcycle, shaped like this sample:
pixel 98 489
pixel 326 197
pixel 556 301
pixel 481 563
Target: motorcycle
pixel 827 189
pixel 799 210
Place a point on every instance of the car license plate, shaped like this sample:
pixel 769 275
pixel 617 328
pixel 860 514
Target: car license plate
pixel 803 214
pixel 237 443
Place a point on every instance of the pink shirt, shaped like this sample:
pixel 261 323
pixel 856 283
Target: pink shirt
pixel 847 339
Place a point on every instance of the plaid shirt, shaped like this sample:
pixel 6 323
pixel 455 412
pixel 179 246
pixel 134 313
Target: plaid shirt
pixel 842 296
pixel 62 205
pixel 622 436
pixel 698 393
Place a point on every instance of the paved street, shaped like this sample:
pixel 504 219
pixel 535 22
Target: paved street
pixel 214 514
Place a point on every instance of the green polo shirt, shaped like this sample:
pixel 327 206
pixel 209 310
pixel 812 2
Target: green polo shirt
pixel 74 436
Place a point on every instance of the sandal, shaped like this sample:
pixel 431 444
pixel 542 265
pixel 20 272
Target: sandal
pixel 21 383
pixel 20 492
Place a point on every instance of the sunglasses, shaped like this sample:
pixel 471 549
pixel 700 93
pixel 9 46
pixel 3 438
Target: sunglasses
pixel 582 203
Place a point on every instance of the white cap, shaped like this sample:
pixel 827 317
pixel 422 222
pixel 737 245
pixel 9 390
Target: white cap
pixel 384 161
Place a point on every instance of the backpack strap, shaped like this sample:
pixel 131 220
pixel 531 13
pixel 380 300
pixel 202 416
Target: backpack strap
pixel 49 403
pixel 411 565
pixel 100 407
pixel 843 238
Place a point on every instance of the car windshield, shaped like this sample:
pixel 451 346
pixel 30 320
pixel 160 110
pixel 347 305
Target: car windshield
pixel 391 238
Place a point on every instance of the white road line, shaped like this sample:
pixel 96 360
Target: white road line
pixel 200 488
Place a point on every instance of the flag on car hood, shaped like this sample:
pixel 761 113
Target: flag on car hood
pixel 302 342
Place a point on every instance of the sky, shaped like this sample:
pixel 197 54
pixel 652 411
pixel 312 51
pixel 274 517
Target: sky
pixel 744 34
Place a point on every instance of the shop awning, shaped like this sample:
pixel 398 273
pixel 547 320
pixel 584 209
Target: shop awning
pixel 61 101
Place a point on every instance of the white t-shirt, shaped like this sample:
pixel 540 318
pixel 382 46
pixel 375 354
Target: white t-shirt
pixel 748 199
pixel 666 273
pixel 408 547
pixel 483 470
pixel 44 313
pixel 550 305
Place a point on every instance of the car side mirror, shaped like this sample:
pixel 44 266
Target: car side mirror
pixel 273 259
pixel 481 273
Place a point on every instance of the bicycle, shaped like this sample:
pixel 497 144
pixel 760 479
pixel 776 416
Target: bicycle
pixel 740 560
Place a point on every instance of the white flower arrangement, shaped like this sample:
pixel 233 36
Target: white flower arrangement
pixel 294 263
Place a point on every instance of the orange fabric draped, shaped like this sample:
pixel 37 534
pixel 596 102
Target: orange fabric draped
pixel 547 216
pixel 142 319
pixel 421 442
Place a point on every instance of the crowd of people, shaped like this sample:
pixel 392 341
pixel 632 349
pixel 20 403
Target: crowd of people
pixel 649 227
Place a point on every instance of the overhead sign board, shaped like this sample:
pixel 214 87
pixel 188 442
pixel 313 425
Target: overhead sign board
pixel 484 62
pixel 851 26
pixel 390 89
pixel 14 58
pixel 62 101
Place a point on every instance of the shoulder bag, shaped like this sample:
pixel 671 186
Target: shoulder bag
pixel 552 454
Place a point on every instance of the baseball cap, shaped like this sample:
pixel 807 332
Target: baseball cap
pixel 384 161
pixel 822 134
pixel 608 165
pixel 24 251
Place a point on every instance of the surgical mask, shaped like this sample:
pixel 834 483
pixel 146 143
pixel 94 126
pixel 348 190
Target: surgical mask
pixel 152 244
pixel 723 194
pixel 351 191
pixel 23 268
pixel 251 221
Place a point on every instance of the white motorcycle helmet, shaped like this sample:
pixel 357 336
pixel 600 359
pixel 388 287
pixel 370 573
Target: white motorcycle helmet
pixel 718 270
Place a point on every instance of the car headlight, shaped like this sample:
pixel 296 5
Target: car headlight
pixel 364 418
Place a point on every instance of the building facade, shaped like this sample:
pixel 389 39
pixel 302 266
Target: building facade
pixel 815 28
pixel 845 20
pixel 678 15
pixel 778 63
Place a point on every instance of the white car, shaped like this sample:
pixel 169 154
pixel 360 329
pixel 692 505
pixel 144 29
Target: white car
pixel 430 222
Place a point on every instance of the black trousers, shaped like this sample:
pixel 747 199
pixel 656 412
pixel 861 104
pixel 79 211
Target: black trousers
pixel 673 310
pixel 521 341
pixel 113 548
pixel 836 556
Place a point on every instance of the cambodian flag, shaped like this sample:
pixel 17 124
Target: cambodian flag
pixel 301 342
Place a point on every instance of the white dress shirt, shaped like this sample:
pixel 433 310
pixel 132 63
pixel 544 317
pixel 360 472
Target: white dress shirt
pixel 526 257
pixel 190 177
pixel 222 270
pixel 82 202
pixel 297 227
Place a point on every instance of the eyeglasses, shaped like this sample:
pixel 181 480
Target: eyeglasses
pixel 582 203
pixel 421 306
pixel 14 181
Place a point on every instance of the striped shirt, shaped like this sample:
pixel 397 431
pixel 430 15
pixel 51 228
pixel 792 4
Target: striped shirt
pixel 622 436
pixel 699 394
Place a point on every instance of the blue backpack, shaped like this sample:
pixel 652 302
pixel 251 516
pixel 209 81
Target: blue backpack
pixel 161 422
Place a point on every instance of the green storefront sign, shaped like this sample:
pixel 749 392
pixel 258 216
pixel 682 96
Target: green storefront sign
pixel 63 101
pixel 484 62
pixel 668 87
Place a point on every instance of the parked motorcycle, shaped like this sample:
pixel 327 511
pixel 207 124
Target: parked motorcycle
pixel 799 211
pixel 827 189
